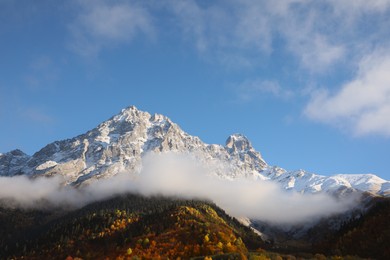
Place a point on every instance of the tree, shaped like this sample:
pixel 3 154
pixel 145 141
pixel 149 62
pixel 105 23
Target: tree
pixel 145 242
pixel 206 238
pixel 129 251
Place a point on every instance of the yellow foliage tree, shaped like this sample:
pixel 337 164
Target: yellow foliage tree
pixel 206 238
pixel 129 251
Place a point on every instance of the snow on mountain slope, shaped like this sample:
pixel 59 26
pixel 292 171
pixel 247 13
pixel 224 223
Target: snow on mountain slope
pixel 306 182
pixel 119 144
pixel 366 182
pixel 12 162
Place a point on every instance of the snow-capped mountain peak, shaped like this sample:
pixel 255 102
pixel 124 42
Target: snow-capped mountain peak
pixel 118 145
pixel 238 143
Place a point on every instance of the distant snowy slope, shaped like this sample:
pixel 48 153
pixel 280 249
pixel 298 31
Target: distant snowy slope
pixel 306 182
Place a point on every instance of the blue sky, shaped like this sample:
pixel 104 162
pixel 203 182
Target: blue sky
pixel 307 81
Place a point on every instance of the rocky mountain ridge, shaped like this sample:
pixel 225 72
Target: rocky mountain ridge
pixel 119 144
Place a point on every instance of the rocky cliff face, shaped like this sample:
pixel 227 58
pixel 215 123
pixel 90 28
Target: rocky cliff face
pixel 12 163
pixel 119 144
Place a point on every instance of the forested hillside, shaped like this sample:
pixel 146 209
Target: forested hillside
pixel 126 226
pixel 135 227
pixel 367 236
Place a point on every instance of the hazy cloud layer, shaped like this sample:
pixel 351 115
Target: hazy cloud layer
pixel 173 175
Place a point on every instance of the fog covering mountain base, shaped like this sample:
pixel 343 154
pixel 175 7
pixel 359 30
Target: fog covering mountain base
pixel 180 176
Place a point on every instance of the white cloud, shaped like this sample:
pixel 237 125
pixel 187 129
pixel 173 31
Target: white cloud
pixel 250 29
pixel 102 24
pixel 315 52
pixel 319 34
pixel 361 105
pixel 297 23
pixel 359 6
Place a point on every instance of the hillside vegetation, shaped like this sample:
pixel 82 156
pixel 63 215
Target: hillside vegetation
pixel 135 227
pixel 125 227
pixel 367 236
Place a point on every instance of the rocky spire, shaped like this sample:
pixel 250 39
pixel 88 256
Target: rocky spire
pixel 238 143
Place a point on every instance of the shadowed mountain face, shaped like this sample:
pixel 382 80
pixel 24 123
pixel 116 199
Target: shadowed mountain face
pixel 120 143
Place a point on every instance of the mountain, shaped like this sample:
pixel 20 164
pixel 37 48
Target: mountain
pixel 177 228
pixel 119 144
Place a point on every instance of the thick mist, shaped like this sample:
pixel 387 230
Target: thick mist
pixel 179 176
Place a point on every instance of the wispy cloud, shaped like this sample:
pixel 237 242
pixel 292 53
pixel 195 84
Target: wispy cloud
pixel 43 72
pixel 36 115
pixel 319 36
pixel 257 88
pixel 297 23
pixel 221 31
pixel 249 29
pixel 105 24
pixel 359 6
pixel 362 105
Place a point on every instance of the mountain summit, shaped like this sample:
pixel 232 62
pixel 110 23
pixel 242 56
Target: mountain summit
pixel 239 143
pixel 119 144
